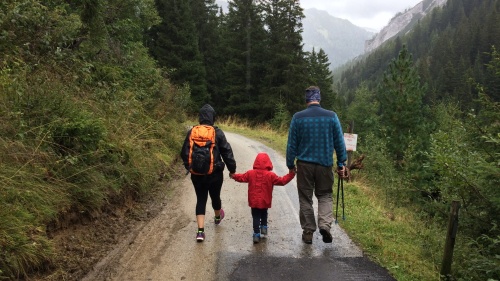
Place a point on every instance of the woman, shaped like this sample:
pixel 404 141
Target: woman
pixel 210 184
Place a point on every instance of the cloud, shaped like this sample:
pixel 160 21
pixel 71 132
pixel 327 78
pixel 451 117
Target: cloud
pixel 365 13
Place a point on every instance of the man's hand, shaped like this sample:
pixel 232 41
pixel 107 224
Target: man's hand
pixel 343 172
pixel 231 175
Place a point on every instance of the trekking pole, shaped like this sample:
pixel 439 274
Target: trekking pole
pixel 342 187
pixel 337 209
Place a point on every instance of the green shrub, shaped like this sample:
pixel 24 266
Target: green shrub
pixel 281 118
pixel 77 136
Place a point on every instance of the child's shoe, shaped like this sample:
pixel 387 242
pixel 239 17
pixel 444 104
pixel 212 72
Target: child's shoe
pixel 256 238
pixel 221 216
pixel 263 229
pixel 200 236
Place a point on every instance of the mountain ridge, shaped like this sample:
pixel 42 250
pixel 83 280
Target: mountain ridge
pixel 339 38
pixel 402 22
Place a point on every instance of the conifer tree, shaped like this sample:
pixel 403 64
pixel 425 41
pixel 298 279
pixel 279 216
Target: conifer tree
pixel 208 23
pixel 245 37
pixel 363 111
pixel 286 66
pixel 401 105
pixel 319 74
pixel 174 44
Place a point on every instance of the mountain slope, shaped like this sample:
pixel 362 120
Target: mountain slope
pixel 339 38
pixel 403 22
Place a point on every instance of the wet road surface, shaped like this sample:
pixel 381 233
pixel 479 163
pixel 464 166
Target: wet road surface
pixel 165 248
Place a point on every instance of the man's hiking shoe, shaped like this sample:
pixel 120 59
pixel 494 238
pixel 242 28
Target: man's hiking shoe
pixel 200 236
pixel 327 236
pixel 256 238
pixel 263 229
pixel 221 216
pixel 307 237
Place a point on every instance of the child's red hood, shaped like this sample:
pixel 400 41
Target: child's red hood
pixel 263 162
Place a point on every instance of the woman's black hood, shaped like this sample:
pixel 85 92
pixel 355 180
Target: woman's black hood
pixel 207 115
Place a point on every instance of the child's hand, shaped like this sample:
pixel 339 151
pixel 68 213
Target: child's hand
pixel 231 175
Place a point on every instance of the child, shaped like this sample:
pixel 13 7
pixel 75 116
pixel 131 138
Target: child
pixel 261 181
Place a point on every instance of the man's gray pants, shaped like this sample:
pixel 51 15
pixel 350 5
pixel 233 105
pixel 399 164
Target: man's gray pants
pixel 318 180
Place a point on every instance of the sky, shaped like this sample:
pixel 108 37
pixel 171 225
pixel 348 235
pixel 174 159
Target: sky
pixel 372 14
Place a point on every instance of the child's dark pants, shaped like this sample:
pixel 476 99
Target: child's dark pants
pixel 259 218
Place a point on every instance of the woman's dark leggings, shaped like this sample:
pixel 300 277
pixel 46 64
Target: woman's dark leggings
pixel 207 185
pixel 259 218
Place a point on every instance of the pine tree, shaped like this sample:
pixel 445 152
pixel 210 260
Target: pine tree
pixel 245 35
pixel 286 67
pixel 319 74
pixel 363 111
pixel 401 105
pixel 174 44
pixel 211 46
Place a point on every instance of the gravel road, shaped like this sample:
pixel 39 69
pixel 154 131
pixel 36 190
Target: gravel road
pixel 165 247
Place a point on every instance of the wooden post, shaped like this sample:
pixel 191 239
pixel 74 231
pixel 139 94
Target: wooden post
pixel 450 241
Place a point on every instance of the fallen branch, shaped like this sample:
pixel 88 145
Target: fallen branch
pixel 357 164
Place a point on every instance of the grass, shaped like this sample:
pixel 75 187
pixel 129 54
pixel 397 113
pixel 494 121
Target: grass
pixel 394 237
pixel 264 133
pixel 79 159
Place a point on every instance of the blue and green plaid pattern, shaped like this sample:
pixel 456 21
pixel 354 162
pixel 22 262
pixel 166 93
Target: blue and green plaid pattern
pixel 313 136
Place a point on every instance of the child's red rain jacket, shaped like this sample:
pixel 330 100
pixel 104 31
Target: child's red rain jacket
pixel 261 181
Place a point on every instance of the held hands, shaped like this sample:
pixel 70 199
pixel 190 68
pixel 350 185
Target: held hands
pixel 231 175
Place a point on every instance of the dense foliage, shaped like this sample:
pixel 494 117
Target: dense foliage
pixel 432 135
pixel 449 46
pixel 86 119
pixel 248 62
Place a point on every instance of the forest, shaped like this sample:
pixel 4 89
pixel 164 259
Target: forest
pixel 427 106
pixel 93 94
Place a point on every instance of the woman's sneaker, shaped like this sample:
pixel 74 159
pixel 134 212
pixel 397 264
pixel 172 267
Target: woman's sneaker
pixel 200 236
pixel 256 238
pixel 263 229
pixel 221 216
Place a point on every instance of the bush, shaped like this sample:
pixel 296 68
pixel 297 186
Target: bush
pixel 79 135
pixel 281 119
pixel 83 125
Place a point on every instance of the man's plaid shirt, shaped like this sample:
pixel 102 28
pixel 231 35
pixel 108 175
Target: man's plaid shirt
pixel 313 136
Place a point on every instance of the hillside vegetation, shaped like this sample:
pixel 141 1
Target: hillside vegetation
pixel 87 120
pixel 427 107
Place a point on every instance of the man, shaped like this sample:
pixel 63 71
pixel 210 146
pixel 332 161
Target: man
pixel 210 185
pixel 313 136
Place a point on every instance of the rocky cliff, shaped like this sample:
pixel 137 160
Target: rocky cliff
pixel 402 23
